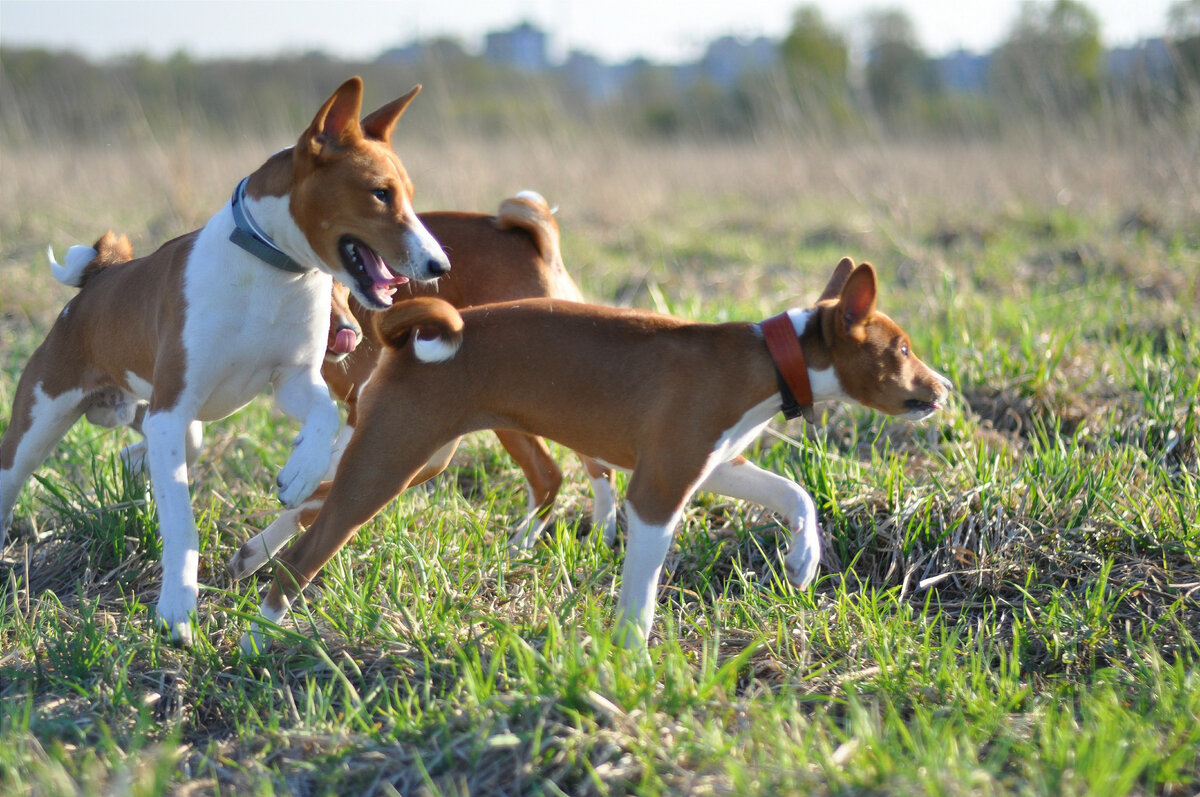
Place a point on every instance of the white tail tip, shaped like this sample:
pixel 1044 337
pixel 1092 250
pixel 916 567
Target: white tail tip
pixel 433 350
pixel 71 272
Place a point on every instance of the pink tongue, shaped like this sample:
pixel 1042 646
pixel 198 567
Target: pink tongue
pixel 383 281
pixel 344 342
pixel 375 268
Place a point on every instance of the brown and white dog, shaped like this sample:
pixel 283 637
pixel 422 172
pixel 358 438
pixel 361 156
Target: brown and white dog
pixel 512 255
pixel 198 328
pixel 672 401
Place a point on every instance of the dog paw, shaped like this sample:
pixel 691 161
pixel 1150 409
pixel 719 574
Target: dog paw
pixel 301 475
pixel 803 559
pixel 248 559
pixel 179 628
pixel 526 534
pixel 177 611
pixel 134 457
pixel 253 643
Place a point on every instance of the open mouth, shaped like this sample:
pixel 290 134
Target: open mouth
pixel 921 408
pixel 375 281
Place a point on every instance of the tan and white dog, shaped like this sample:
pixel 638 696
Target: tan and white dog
pixel 194 331
pixel 672 401
pixel 512 255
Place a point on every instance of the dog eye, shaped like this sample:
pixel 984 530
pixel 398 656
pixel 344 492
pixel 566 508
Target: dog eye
pixel 904 350
pixel 384 195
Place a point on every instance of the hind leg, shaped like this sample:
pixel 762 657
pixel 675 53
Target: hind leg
pixel 543 479
pixel 38 422
pixel 604 499
pixel 134 454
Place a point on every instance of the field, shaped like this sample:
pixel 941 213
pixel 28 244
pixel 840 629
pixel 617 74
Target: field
pixel 1009 601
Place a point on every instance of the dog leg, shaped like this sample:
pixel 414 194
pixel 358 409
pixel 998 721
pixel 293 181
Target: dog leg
pixel 645 552
pixel 24 448
pixel 166 456
pixel 134 454
pixel 259 549
pixel 339 447
pixel 604 499
pixel 306 398
pixel 543 479
pixel 368 479
pixel 740 478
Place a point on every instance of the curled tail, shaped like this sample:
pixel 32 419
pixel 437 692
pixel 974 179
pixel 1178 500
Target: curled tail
pixel 529 211
pixel 436 324
pixel 83 262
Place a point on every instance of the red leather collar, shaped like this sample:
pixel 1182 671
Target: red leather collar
pixel 784 346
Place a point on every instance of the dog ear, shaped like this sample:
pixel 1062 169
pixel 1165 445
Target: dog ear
pixel 857 300
pixel 380 124
pixel 336 125
pixel 840 273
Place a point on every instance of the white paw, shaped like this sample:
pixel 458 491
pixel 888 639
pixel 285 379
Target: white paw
pixel 249 558
pixel 253 643
pixel 526 534
pixel 803 558
pixel 176 609
pixel 134 457
pixel 302 473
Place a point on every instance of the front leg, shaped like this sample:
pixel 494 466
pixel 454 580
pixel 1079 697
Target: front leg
pixel 305 397
pixel 166 456
pixel 740 478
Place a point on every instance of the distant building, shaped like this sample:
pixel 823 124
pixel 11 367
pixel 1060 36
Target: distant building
pixel 591 77
pixel 963 72
pixel 728 59
pixel 523 47
pixel 1146 63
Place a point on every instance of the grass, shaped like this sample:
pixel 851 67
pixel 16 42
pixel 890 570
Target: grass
pixel 1009 598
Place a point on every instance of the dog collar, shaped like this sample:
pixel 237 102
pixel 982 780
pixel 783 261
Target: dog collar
pixel 249 236
pixel 790 368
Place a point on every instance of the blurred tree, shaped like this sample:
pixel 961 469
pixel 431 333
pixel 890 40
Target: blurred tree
pixel 1051 61
pixel 816 61
pixel 898 71
pixel 1183 32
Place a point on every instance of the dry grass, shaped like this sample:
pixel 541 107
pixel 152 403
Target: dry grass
pixel 1036 544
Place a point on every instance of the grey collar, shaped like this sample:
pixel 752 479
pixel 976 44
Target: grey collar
pixel 249 236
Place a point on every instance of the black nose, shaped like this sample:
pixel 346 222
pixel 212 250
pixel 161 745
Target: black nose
pixel 438 268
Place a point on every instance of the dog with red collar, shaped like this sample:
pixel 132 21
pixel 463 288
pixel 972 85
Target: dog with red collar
pixel 673 402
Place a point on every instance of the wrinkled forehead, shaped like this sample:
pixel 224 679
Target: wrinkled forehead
pixel 883 328
pixel 378 164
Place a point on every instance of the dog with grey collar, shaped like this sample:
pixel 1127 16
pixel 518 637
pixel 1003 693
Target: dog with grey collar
pixel 195 330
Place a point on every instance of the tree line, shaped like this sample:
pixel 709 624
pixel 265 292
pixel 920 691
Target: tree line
pixel 1048 70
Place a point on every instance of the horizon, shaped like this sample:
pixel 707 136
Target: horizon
pixel 219 29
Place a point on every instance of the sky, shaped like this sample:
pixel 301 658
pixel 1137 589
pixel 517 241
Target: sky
pixel 667 31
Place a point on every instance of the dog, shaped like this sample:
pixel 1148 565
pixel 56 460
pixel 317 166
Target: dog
pixel 195 330
pixel 672 401
pixel 512 255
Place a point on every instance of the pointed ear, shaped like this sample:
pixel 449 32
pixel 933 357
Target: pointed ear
pixel 380 124
pixel 840 273
pixel 336 125
pixel 857 299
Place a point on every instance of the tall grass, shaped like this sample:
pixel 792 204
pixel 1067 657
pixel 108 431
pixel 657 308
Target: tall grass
pixel 1009 596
